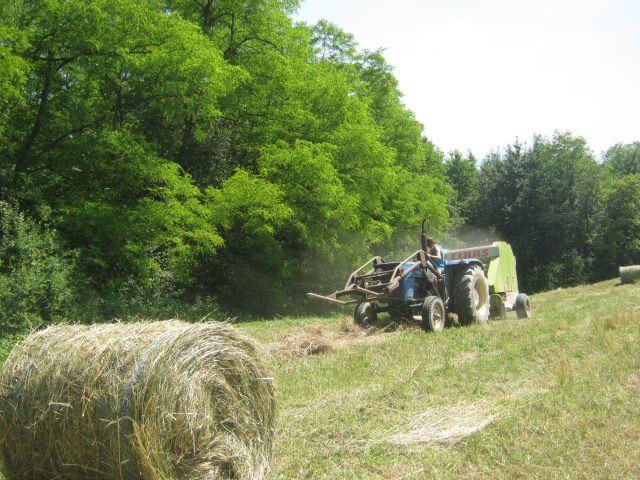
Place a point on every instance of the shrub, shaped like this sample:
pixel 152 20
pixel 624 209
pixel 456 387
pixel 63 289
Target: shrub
pixel 34 274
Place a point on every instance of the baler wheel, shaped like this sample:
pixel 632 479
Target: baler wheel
pixel 365 314
pixel 433 314
pixel 522 306
pixel 472 296
pixel 497 308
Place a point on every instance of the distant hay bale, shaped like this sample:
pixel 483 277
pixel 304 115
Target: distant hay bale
pixel 162 401
pixel 630 274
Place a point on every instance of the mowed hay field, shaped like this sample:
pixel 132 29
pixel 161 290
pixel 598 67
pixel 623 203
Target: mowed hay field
pixel 555 396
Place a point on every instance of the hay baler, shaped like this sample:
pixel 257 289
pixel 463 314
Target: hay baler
pixel 499 265
pixel 476 283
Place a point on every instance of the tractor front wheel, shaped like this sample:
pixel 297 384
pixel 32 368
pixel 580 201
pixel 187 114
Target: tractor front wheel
pixel 433 315
pixel 472 296
pixel 522 306
pixel 365 314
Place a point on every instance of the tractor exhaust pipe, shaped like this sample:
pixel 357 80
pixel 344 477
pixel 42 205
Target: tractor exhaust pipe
pixel 423 236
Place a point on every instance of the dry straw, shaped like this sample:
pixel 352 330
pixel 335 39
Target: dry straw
pixel 150 401
pixel 630 274
pixel 446 425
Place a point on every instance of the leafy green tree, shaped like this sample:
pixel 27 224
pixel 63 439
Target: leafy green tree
pixel 320 122
pixel 322 207
pixel 462 175
pixel 248 272
pixel 241 29
pixel 543 200
pixel 205 146
pixel 623 159
pixel 400 129
pixel 133 214
pixel 332 44
pixel 97 135
pixel 13 72
pixel 617 234
pixel 89 73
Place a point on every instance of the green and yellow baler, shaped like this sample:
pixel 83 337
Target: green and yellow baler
pixel 499 265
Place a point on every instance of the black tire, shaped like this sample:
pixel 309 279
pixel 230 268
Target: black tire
pixel 365 314
pixel 472 296
pixel 433 314
pixel 522 306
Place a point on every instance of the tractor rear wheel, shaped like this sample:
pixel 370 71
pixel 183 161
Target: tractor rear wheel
pixel 433 315
pixel 472 296
pixel 365 314
pixel 522 306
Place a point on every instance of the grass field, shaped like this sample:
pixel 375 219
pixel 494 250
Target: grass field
pixel 555 396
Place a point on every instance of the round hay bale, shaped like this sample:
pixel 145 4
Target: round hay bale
pixel 630 274
pixel 162 401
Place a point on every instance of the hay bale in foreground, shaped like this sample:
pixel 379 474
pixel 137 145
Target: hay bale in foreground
pixel 630 274
pixel 163 400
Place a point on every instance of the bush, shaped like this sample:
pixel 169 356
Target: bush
pixel 158 298
pixel 34 274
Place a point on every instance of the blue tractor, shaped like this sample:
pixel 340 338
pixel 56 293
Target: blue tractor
pixel 416 289
pixel 476 283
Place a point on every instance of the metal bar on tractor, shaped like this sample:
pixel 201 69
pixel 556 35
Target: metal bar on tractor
pixel 434 270
pixel 352 277
pixel 332 300
pixel 410 269
pixel 361 290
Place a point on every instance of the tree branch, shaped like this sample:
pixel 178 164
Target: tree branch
pixel 21 155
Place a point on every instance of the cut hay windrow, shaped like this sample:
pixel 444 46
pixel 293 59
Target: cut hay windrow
pixel 630 274
pixel 149 401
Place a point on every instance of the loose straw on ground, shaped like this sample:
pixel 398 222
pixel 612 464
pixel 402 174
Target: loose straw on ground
pixel 446 425
pixel 144 401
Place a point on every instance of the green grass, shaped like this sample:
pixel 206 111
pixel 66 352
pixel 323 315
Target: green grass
pixel 563 388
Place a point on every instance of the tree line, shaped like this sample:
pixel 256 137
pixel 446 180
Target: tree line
pixel 569 218
pixel 176 157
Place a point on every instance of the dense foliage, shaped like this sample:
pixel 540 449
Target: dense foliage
pixel 569 218
pixel 186 150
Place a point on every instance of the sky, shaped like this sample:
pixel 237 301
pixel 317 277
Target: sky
pixel 480 74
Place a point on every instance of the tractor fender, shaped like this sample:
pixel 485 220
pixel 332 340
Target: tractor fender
pixel 455 264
